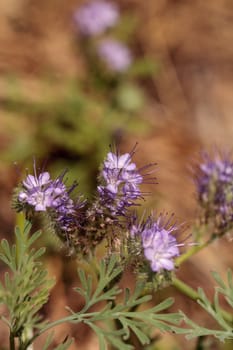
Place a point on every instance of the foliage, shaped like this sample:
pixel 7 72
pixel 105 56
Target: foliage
pixel 146 246
pixel 27 290
pixel 123 312
pixel 65 127
pixel 26 287
pixel 224 320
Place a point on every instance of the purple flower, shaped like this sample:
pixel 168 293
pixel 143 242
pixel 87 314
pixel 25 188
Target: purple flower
pixel 120 183
pixel 214 182
pixel 116 55
pixel 42 193
pixel 32 181
pixel 159 246
pixel 95 17
pixel 37 191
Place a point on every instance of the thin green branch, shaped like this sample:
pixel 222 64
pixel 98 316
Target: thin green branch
pixel 193 294
pixel 192 251
pixel 12 341
pixel 70 318
pixel 199 245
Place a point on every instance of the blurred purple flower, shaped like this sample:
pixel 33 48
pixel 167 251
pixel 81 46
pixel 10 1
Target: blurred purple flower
pixel 95 17
pixel 214 182
pixel 116 55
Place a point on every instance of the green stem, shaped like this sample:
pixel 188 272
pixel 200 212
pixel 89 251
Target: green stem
pixel 195 249
pixel 72 318
pixel 20 221
pixel 12 342
pixel 25 339
pixel 200 245
pixel 192 251
pixel 185 289
pixel 192 294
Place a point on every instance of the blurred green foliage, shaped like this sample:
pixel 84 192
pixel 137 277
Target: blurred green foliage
pixel 70 122
pixel 66 129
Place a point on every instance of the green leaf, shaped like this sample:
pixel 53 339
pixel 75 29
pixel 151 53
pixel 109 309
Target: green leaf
pixel 48 341
pixel 26 289
pixel 126 313
pixel 224 319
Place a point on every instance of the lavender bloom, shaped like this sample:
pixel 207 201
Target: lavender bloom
pixel 160 247
pixel 37 191
pixel 120 183
pixel 95 17
pixel 214 182
pixel 119 169
pixel 116 55
pixel 43 193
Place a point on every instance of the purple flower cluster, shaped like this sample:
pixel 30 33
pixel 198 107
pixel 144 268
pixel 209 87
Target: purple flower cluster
pixel 116 55
pixel 121 180
pixel 214 181
pixel 85 226
pixel 95 17
pixel 44 194
pixel 160 247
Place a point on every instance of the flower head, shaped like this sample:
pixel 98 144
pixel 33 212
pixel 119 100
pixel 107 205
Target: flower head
pixel 120 183
pixel 95 17
pixel 159 246
pixel 42 193
pixel 37 191
pixel 214 182
pixel 116 55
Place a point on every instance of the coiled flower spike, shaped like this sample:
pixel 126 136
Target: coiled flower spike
pixel 120 180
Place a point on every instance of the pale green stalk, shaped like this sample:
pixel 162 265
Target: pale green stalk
pixel 186 289
pixel 192 294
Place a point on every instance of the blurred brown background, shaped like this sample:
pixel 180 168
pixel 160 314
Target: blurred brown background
pixel 189 107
